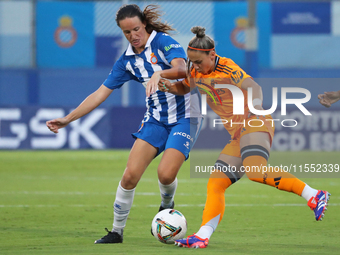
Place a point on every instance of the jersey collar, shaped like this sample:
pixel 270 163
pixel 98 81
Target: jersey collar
pixel 216 61
pixel 130 52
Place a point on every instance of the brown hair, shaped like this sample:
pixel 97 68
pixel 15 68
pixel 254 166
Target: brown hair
pixel 200 41
pixel 151 16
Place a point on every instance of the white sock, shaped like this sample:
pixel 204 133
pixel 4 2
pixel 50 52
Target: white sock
pixel 308 192
pixel 121 208
pixel 167 193
pixel 205 232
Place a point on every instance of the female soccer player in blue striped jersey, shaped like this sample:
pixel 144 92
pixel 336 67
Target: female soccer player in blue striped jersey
pixel 167 125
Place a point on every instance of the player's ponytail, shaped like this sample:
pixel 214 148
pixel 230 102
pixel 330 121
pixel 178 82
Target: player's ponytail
pixel 198 31
pixel 200 42
pixel 150 16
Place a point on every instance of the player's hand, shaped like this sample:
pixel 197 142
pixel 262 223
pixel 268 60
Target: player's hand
pixel 164 85
pixel 329 98
pixel 56 124
pixel 152 85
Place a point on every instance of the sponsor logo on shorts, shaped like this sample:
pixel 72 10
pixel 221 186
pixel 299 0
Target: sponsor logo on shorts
pixel 184 135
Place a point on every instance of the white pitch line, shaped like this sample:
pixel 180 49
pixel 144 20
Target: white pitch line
pixel 180 205
pixel 79 193
pixel 113 179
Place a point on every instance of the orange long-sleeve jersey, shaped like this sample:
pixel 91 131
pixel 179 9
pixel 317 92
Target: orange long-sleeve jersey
pixel 221 100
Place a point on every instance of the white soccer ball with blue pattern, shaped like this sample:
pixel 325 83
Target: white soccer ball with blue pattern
pixel 169 225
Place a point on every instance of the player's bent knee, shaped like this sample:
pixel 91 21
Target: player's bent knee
pixel 166 180
pixel 230 172
pixel 129 180
pixel 167 175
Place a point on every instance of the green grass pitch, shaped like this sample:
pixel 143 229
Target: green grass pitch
pixel 59 202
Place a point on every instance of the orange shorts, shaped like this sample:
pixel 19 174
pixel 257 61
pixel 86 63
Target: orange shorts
pixel 252 124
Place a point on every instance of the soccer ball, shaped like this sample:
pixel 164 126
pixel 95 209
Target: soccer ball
pixel 169 225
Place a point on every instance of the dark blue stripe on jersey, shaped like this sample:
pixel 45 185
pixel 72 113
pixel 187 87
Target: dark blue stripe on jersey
pixel 165 106
pixel 147 65
pixel 218 70
pixel 180 101
pixel 216 61
pixel 138 74
pixel 224 67
pixel 151 105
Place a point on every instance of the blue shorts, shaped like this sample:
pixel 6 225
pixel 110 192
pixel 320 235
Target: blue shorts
pixel 180 136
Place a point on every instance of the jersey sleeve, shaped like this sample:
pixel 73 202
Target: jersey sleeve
pixel 237 75
pixel 186 82
pixel 118 75
pixel 171 48
pixel 191 79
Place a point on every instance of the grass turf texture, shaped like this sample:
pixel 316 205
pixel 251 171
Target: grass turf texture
pixel 59 202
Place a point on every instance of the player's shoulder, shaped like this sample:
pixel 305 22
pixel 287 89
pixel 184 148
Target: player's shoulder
pixel 166 41
pixel 226 65
pixel 161 37
pixel 225 62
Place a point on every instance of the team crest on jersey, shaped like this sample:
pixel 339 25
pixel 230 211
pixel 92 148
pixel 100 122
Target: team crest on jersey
pixel 153 58
pixel 237 76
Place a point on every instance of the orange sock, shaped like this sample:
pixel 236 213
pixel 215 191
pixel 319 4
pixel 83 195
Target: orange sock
pixel 215 203
pixel 277 177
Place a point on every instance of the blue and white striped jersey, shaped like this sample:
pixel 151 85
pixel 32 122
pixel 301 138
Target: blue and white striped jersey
pixel 159 51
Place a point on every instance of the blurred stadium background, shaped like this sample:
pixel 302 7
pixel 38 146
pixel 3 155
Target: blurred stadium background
pixel 55 53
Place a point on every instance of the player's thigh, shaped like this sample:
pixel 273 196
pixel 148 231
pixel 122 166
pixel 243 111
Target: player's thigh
pixel 257 138
pixel 141 155
pixel 177 150
pixel 229 162
pixel 154 133
pixel 169 166
pixel 259 132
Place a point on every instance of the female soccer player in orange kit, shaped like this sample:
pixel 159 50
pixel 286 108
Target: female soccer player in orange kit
pixel 250 143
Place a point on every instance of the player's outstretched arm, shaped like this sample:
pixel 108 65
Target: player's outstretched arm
pixel 89 104
pixel 329 98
